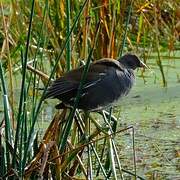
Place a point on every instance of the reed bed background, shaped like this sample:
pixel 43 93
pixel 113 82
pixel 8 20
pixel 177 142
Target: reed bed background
pixel 40 40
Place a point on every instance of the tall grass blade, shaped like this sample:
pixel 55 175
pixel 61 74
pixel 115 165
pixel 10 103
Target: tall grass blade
pixel 68 47
pixel 126 28
pixel 99 161
pixel 2 158
pixel 159 63
pixel 11 97
pixel 140 25
pixel 72 113
pixel 6 116
pixel 22 98
pixel 50 77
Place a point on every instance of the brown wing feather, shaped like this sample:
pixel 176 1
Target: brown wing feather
pixel 110 62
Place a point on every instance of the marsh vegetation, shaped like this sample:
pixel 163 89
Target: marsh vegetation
pixel 41 40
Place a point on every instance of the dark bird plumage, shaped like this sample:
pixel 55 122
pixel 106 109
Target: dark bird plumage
pixel 106 82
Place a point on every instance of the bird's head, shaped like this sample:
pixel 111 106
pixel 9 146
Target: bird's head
pixel 131 61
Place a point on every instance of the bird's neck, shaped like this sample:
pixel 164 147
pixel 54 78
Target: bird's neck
pixel 125 65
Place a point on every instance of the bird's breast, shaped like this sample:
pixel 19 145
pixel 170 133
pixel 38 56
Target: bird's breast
pixel 125 81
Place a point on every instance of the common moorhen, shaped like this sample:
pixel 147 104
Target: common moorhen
pixel 106 82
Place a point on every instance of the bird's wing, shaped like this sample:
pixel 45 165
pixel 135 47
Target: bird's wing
pixel 69 83
pixel 60 87
pixel 96 70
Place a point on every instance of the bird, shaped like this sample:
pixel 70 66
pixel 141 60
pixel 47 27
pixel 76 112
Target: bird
pixel 107 81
